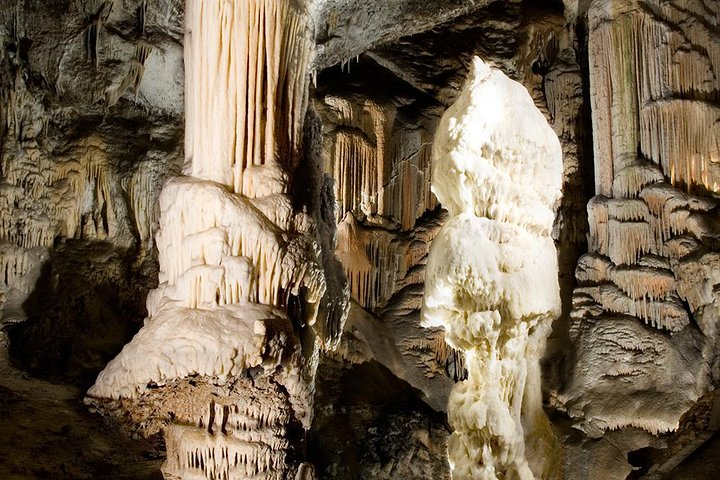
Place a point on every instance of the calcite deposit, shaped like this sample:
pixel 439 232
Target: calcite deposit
pixel 651 223
pixel 240 275
pixel 491 279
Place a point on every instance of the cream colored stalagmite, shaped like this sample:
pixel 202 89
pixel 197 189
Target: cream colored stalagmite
pixel 492 274
pixel 225 363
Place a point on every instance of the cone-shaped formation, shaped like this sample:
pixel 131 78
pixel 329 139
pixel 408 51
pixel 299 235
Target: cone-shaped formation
pixel 491 278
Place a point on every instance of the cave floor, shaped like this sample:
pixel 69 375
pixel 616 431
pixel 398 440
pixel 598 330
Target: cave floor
pixel 47 433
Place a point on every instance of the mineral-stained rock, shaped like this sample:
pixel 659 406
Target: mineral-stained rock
pixel 642 338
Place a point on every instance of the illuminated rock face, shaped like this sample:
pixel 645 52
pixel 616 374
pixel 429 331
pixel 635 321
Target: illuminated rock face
pixel 651 89
pixel 491 279
pixel 643 320
pixel 229 349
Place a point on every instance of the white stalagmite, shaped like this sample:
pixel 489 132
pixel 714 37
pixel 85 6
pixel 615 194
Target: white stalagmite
pixel 240 273
pixel 491 278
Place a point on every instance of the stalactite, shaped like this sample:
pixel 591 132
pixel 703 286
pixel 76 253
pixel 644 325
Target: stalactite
pixel 92 31
pixel 382 171
pixel 355 170
pixel 134 75
pixel 223 457
pixel 631 180
pixel 407 194
pixel 14 264
pixel 376 260
pixel 449 358
pixel 664 312
pixel 627 241
pixel 655 79
pixel 258 104
pixel 142 15
pixel 694 159
pixel 650 283
pixel 4 126
pixel 357 159
pixel 143 199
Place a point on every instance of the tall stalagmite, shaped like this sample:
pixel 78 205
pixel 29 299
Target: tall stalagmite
pixel 225 363
pixel 491 278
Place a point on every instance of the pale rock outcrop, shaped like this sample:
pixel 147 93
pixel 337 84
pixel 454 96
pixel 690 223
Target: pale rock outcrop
pixel 491 280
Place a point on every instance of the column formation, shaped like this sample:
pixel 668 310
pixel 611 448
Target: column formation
pixel 246 91
pixel 492 274
pixel 225 363
pixel 648 277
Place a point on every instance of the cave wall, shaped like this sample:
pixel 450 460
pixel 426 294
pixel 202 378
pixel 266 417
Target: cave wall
pixel 644 316
pixel 91 101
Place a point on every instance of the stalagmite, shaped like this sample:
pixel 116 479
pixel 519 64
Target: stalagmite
pixel 240 273
pixel 491 278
